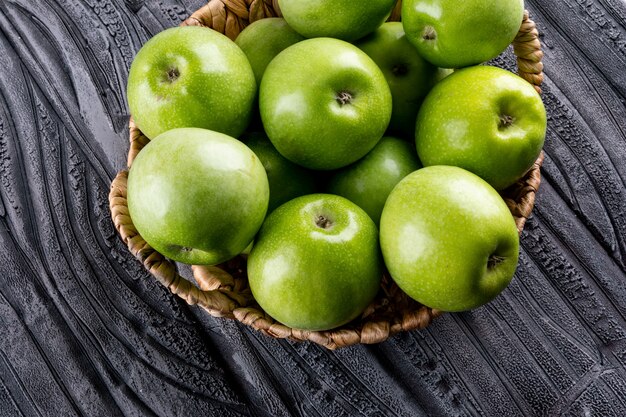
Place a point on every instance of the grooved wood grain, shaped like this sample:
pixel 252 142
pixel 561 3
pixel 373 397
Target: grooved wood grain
pixel 85 331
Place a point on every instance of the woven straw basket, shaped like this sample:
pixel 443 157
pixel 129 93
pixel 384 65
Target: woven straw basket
pixel 223 290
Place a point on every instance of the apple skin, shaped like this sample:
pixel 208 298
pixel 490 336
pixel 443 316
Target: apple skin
pixel 191 77
pixel 197 196
pixel 348 20
pixel 453 35
pixel 312 273
pixel 410 77
pixel 262 40
pixel 286 179
pixel 324 103
pixel 440 229
pixel 368 182
pixel 463 122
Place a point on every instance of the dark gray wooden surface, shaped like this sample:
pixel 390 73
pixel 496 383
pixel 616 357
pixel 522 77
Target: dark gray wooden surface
pixel 85 331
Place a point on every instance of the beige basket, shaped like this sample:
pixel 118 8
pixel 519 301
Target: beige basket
pixel 223 290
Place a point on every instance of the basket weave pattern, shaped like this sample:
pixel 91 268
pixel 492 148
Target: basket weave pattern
pixel 223 290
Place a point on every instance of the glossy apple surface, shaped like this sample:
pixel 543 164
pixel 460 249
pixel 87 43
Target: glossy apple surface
pixel 484 119
pixel 368 182
pixel 197 196
pixel 315 264
pixel 191 77
pixel 454 34
pixel 410 77
pixel 342 19
pixel 262 40
pixel 324 103
pixel 286 179
pixel 448 239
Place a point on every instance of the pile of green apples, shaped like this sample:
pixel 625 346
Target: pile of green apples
pixel 330 146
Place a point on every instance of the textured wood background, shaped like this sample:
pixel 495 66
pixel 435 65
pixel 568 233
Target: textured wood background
pixel 85 331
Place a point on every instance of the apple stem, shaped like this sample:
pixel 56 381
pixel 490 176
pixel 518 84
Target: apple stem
pixel 344 98
pixel 494 260
pixel 323 222
pixel 429 33
pixel 506 120
pixel 173 74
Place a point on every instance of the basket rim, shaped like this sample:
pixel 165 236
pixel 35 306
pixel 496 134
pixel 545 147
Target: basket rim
pixel 222 290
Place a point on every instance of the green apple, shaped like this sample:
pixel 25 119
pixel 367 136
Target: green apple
pixel 342 19
pixel 448 238
pixel 484 119
pixel 409 76
pixel 286 179
pixel 315 264
pixel 191 77
pixel 197 196
pixel 368 182
pixel 324 103
pixel 453 34
pixel 262 40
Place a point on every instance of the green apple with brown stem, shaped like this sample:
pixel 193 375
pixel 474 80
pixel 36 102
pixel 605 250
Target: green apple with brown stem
pixel 448 239
pixel 191 77
pixel 456 34
pixel 484 119
pixel 316 263
pixel 324 103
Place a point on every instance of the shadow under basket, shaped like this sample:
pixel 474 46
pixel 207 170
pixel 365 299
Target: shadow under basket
pixel 223 290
